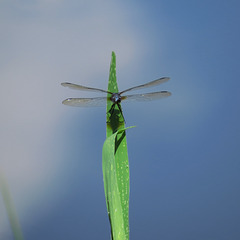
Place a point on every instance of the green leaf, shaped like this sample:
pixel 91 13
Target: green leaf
pixel 115 165
pixel 116 186
pixel 115 119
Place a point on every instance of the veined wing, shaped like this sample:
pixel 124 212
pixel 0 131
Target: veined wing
pixel 150 84
pixel 86 102
pixel 146 96
pixel 83 88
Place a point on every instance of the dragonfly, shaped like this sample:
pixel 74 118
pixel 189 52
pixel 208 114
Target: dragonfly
pixel 115 98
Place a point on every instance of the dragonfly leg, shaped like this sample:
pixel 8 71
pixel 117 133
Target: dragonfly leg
pixel 110 112
pixel 120 109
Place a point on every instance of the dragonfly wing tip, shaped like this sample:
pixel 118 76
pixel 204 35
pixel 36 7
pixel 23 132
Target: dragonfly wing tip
pixel 66 101
pixel 65 84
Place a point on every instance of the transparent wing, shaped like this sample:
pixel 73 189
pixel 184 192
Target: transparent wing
pixel 146 96
pixel 83 88
pixel 150 84
pixel 86 102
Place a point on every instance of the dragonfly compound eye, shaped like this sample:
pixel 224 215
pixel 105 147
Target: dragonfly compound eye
pixel 116 98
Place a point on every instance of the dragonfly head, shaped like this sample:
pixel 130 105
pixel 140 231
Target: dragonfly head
pixel 116 98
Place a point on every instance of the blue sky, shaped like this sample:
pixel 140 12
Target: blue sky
pixel 184 153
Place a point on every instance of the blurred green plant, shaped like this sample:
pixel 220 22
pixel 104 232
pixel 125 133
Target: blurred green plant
pixel 9 205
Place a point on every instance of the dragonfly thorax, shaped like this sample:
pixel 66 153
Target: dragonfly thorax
pixel 116 98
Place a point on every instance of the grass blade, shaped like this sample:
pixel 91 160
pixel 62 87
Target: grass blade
pixel 115 165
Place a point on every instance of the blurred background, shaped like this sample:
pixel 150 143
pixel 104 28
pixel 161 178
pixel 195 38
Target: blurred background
pixel 184 152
